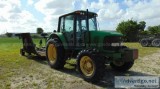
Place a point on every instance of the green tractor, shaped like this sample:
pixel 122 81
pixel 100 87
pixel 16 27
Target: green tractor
pixel 78 37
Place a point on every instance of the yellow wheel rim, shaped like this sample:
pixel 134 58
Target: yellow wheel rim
pixel 87 66
pixel 52 53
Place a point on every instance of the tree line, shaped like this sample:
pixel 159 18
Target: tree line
pixel 133 30
pixel 39 30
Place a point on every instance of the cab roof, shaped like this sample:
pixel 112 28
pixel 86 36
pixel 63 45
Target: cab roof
pixel 78 12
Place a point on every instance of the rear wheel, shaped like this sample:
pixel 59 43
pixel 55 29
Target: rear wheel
pixel 90 66
pixel 121 66
pixel 55 54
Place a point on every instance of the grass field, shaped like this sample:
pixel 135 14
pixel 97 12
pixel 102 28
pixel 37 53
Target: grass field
pixel 17 72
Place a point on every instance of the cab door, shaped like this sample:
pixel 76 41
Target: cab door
pixel 67 28
pixel 81 30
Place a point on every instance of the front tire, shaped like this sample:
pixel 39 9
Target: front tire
pixel 121 66
pixel 90 66
pixel 55 54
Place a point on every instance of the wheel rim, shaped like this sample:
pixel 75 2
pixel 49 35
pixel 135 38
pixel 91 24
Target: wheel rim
pixel 118 63
pixel 87 66
pixel 52 53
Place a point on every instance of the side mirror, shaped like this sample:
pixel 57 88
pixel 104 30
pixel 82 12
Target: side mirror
pixel 54 31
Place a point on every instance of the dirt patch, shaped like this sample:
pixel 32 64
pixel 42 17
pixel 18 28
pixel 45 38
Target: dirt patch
pixel 149 64
pixel 47 78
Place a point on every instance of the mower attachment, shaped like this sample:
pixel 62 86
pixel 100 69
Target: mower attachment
pixel 28 45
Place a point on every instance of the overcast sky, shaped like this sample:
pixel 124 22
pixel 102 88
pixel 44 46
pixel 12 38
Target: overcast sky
pixel 27 15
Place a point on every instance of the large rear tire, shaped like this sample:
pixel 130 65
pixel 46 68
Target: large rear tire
pixel 121 66
pixel 55 54
pixel 90 66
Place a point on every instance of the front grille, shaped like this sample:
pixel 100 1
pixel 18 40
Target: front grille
pixel 108 41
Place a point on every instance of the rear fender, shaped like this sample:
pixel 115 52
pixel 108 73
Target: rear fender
pixel 60 37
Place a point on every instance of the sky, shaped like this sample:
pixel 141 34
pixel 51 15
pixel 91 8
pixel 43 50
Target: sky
pixel 27 15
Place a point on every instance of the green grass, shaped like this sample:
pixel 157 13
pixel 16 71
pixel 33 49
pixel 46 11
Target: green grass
pixel 5 40
pixel 12 65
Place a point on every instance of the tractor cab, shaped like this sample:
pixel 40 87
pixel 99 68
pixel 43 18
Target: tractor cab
pixel 75 27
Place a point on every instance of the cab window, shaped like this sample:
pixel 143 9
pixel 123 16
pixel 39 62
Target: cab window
pixel 67 23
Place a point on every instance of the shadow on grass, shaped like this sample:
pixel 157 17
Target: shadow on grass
pixel 106 82
pixel 108 79
pixel 39 59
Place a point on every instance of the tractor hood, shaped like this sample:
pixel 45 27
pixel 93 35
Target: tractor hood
pixel 105 33
pixel 97 37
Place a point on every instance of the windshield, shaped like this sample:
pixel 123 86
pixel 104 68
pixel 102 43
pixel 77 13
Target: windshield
pixel 92 24
pixel 82 25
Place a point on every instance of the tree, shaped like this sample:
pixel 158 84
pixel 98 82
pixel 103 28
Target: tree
pixel 146 32
pixel 39 30
pixel 131 29
pixel 142 25
pixel 9 34
pixel 154 29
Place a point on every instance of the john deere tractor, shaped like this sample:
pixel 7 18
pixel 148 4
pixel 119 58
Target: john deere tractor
pixel 78 37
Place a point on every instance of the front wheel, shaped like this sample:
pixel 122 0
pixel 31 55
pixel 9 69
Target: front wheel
pixel 90 66
pixel 121 66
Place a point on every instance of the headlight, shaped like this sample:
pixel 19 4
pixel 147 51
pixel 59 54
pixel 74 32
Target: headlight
pixel 111 43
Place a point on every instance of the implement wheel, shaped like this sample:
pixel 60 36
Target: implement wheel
pixel 22 52
pixel 144 42
pixel 156 43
